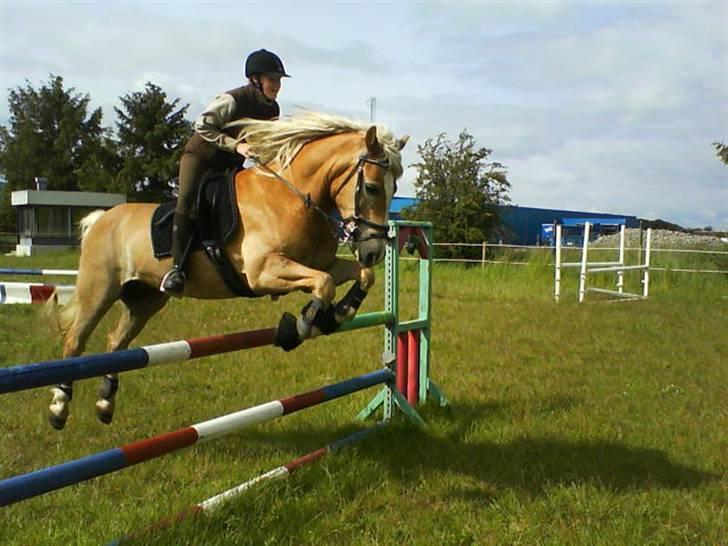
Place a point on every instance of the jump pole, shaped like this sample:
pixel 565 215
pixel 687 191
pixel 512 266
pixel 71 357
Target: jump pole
pixel 42 481
pixel 44 272
pixel 33 292
pixel 52 372
pixel 279 473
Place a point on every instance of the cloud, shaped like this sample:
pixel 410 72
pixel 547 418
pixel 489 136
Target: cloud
pixel 610 106
pixel 629 176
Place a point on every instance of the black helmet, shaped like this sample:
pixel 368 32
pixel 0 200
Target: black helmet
pixel 264 62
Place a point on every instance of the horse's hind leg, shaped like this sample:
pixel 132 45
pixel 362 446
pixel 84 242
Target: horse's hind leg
pixel 140 303
pixel 90 302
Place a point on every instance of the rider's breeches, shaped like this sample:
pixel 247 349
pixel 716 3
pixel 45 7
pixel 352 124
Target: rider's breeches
pixel 191 170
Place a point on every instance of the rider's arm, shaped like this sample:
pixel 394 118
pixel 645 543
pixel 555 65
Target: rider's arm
pixel 218 113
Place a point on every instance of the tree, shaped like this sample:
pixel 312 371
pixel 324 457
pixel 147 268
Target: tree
pixel 98 173
pixel 51 134
pixel 721 151
pixel 459 191
pixel 151 133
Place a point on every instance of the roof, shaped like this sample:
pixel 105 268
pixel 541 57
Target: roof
pixel 398 203
pixel 72 198
pixel 611 221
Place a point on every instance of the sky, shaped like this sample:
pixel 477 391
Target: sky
pixel 599 106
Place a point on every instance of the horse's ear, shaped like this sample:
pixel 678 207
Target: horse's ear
pixel 402 142
pixel 373 145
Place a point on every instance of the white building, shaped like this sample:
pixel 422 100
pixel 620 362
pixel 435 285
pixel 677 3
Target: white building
pixel 47 220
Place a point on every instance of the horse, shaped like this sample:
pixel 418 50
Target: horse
pixel 309 166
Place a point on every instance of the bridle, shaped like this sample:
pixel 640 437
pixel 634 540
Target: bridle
pixel 346 230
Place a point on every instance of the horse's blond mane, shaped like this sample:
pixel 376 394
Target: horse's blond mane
pixel 280 140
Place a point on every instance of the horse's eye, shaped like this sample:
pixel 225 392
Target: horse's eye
pixel 372 189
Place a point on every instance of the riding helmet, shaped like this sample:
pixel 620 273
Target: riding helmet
pixel 264 62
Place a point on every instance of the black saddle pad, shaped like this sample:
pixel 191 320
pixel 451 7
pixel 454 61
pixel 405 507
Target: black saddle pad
pixel 217 211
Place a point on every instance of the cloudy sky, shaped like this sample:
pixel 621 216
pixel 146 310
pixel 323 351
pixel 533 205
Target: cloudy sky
pixel 595 106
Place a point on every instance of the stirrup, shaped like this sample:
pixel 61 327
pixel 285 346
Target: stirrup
pixel 173 281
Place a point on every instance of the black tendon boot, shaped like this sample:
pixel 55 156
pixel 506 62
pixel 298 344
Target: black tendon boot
pixel 182 233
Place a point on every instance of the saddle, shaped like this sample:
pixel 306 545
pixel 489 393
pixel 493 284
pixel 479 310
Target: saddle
pixel 218 222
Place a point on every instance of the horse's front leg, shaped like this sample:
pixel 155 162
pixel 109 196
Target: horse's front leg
pixel 277 274
pixel 343 271
pixel 326 320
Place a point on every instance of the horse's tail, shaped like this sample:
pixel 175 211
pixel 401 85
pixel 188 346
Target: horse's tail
pixel 87 221
pixel 63 318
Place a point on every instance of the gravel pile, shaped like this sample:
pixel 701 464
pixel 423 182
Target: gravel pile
pixel 663 238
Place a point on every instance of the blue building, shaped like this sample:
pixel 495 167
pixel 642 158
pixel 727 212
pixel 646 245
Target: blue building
pixel 529 226
pixel 533 226
pixel 398 203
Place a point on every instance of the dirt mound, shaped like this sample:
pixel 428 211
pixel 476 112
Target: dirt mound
pixel 663 238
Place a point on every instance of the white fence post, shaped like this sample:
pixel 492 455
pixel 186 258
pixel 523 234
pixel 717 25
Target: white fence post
pixel 557 270
pixel 620 273
pixel 646 275
pixel 584 249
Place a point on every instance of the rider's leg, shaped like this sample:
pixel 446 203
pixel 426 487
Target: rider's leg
pixel 191 170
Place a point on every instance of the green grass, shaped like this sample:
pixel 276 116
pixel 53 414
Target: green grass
pixel 569 424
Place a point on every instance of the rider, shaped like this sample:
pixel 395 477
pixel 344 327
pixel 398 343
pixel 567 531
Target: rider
pixel 212 148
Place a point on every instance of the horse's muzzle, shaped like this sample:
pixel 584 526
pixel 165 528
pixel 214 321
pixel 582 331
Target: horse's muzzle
pixel 371 251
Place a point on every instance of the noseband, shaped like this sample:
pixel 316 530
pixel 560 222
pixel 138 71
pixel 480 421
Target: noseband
pixel 346 230
pixel 351 224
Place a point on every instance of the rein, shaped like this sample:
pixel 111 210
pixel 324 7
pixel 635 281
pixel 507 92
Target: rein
pixel 349 226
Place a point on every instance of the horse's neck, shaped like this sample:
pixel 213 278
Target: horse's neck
pixel 325 161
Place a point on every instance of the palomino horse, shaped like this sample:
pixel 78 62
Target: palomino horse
pixel 311 165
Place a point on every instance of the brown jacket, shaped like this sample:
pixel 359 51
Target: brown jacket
pixel 210 142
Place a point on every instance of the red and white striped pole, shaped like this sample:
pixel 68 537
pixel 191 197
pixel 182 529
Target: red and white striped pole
pixel 48 479
pixel 280 472
pixel 53 372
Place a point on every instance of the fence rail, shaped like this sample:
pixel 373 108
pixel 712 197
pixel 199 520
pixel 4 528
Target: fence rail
pixel 596 248
pixel 487 247
pixel 494 247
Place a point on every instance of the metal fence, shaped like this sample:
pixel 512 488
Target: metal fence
pixel 488 249
pixel 8 241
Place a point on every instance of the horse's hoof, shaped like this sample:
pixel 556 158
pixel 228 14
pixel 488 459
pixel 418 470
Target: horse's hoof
pixel 56 421
pixel 286 336
pixel 58 409
pixel 105 410
pixel 57 415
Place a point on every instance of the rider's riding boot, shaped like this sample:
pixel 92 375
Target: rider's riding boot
pixel 182 233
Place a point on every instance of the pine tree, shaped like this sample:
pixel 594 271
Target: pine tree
pixel 51 134
pixel 151 134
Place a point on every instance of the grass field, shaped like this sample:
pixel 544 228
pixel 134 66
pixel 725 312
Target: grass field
pixel 598 423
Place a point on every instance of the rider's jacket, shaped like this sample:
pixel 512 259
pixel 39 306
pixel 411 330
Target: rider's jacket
pixel 216 146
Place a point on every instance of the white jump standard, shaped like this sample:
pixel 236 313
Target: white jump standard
pixel 618 267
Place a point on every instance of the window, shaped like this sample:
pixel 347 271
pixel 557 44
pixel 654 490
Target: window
pixel 25 221
pixel 52 221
